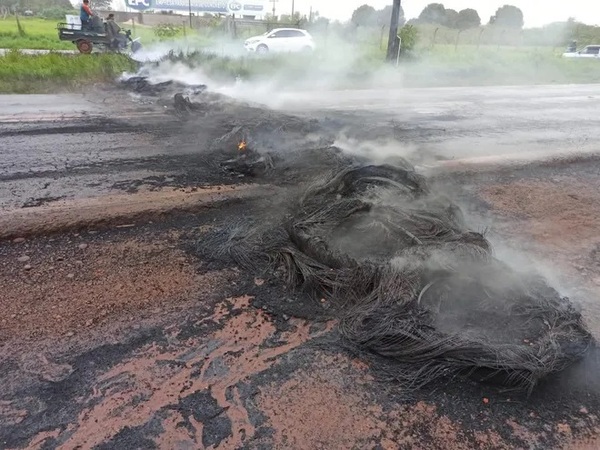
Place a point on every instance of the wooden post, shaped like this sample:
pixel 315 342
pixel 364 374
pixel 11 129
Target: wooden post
pixel 457 40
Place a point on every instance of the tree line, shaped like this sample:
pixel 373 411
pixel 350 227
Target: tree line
pixel 38 6
pixel 507 16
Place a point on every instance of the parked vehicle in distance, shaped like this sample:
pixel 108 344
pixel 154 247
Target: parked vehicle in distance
pixel 281 40
pixel 589 51
pixel 95 36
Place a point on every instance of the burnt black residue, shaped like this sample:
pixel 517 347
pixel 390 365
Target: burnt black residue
pixel 83 125
pixel 203 407
pixel 34 202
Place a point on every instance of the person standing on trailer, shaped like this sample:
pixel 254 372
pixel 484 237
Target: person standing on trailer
pixel 85 15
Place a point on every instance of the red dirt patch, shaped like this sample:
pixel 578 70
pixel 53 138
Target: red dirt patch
pixel 561 215
pixel 66 291
pixel 157 378
pixel 561 219
pixel 325 407
pixel 314 410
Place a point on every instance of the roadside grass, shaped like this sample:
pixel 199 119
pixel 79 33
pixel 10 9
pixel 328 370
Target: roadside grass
pixel 493 65
pixel 12 41
pixel 339 62
pixel 42 34
pixel 39 34
pixel 32 25
pixel 21 73
pixel 364 66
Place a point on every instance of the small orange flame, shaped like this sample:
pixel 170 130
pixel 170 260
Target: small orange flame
pixel 242 146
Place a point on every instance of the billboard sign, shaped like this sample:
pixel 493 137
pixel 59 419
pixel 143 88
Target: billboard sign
pixel 139 5
pixel 241 7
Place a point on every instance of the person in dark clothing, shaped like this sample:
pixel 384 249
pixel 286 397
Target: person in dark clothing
pixel 85 15
pixel 572 47
pixel 113 31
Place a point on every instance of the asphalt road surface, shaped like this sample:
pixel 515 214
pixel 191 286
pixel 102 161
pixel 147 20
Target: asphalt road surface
pixel 57 146
pixel 69 146
pixel 508 122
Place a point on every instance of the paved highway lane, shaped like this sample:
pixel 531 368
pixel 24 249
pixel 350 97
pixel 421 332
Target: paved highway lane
pixel 63 146
pixel 500 123
pixel 60 146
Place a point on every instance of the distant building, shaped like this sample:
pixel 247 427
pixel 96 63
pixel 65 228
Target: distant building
pixel 246 8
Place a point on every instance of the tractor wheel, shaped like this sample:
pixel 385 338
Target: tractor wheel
pixel 84 46
pixel 262 49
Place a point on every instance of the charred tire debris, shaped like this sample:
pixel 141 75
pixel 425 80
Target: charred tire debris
pixel 143 85
pixel 406 278
pixel 408 281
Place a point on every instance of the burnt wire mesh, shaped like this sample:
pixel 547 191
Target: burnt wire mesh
pixel 410 282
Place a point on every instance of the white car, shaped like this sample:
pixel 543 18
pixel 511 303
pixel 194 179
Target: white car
pixel 591 51
pixel 281 40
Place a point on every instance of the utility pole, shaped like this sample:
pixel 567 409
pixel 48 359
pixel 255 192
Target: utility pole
pixel 293 8
pixel 274 11
pixel 394 40
pixel 190 6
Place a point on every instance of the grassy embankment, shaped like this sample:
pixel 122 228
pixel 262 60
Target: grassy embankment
pixel 20 73
pixel 442 58
pixel 438 67
pixel 39 33
pixel 34 34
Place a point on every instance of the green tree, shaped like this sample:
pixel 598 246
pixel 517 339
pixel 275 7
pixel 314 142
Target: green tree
pixel 451 18
pixel 468 18
pixel 384 16
pixel 101 4
pixel 320 24
pixel 508 16
pixel 38 5
pixel 434 13
pixel 287 18
pixel 364 16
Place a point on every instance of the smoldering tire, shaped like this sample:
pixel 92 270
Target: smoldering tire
pixel 410 282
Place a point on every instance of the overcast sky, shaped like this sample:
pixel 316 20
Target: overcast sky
pixel 537 12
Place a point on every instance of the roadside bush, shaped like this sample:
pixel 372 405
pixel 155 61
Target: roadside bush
pixel 167 31
pixel 409 34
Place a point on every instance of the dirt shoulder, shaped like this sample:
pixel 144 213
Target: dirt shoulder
pixel 113 209
pixel 126 338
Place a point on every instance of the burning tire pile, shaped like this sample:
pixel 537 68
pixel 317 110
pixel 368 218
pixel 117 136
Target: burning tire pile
pixel 411 284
